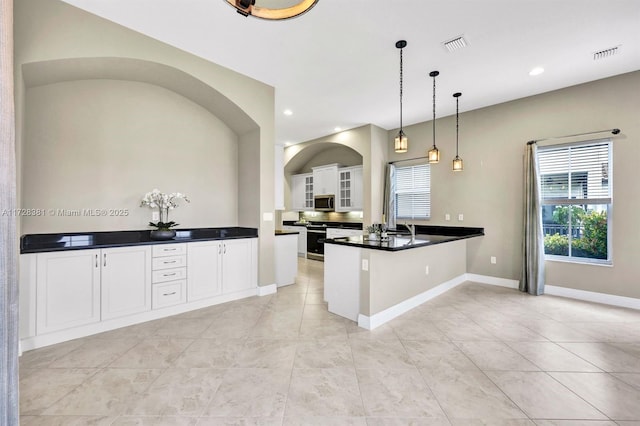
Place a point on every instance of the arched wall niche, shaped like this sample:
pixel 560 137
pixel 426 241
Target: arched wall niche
pixel 334 152
pixel 130 69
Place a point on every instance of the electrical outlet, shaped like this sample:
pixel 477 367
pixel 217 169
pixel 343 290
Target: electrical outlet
pixel 155 216
pixel 426 270
pixel 365 264
pixel 493 260
pixel 447 216
pixel 460 217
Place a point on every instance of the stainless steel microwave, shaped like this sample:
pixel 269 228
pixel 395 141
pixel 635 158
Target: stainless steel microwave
pixel 324 203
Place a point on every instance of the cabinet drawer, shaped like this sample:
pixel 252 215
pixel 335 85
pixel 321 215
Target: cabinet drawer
pixel 169 262
pixel 168 250
pixel 164 275
pixel 169 294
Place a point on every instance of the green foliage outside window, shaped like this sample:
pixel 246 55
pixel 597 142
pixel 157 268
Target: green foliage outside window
pixel 593 241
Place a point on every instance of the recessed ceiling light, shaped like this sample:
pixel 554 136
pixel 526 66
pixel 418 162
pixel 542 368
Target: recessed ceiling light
pixel 338 129
pixel 287 112
pixel 536 71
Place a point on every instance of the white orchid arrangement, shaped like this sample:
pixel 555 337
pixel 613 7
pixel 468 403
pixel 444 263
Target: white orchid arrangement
pixel 163 202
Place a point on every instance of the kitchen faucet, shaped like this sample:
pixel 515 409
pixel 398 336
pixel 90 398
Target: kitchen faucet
pixel 412 228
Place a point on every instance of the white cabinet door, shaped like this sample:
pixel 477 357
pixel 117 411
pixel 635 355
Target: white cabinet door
pixel 126 281
pixel 302 192
pixel 349 196
pixel 238 265
pixel 357 196
pixel 204 270
pixel 325 180
pixel 67 289
pixel 302 238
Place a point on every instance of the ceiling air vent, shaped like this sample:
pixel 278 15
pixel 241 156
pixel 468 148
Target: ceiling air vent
pixel 602 54
pixel 455 43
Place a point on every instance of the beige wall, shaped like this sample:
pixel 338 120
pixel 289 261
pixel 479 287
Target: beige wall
pixel 489 190
pixel 368 141
pixel 394 277
pixel 48 30
pixel 339 154
pixel 103 144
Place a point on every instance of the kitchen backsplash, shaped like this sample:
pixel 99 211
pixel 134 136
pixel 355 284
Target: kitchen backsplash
pixel 354 217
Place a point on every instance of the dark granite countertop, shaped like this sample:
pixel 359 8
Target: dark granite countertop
pixel 404 242
pixel 36 243
pixel 285 232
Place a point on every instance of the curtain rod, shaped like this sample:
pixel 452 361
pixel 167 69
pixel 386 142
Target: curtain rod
pixel 408 159
pixel 613 131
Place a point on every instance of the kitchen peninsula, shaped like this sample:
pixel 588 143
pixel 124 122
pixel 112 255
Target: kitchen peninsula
pixel 373 281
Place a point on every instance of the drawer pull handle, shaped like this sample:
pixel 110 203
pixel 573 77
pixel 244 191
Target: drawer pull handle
pixel 96 260
pixel 170 249
pixel 169 262
pixel 169 275
pixel 169 294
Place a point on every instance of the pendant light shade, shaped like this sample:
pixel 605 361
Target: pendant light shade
pixel 433 155
pixel 401 143
pixel 457 161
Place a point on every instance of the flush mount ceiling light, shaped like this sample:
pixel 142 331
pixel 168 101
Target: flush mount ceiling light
pixel 434 155
pixel 457 162
pixel 273 10
pixel 287 112
pixel 401 143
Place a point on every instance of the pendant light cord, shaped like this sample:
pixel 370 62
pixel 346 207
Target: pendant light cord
pixel 434 111
pixel 401 75
pixel 457 101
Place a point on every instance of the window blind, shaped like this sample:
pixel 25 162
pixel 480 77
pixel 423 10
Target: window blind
pixel 413 192
pixel 575 172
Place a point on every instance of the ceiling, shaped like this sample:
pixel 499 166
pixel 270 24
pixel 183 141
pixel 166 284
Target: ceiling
pixel 337 65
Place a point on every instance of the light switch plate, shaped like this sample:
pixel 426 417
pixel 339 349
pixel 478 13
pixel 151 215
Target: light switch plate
pixel 447 216
pixel 460 217
pixel 267 216
pixel 155 216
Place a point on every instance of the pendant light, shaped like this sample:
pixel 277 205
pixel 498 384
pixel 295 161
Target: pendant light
pixel 457 162
pixel 401 143
pixel 434 154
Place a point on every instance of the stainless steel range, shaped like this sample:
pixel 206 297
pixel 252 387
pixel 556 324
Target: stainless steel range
pixel 316 234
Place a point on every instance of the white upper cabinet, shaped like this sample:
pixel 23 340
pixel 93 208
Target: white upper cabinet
pixel 349 196
pixel 325 179
pixel 302 192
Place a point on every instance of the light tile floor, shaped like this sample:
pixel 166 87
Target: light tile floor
pixel 477 355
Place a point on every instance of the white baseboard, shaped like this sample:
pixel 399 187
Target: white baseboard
pixel 591 296
pixel 486 279
pixel 266 290
pixel 376 320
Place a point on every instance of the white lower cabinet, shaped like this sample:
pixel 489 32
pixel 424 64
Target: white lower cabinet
pixel 221 267
pixel 169 276
pixel 204 266
pixel 126 281
pixel 67 289
pixel 169 294
pixel 75 293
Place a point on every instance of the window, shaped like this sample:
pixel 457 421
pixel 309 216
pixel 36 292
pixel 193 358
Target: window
pixel 413 192
pixel 576 201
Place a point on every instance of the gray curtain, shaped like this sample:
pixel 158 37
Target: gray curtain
pixel 532 238
pixel 389 199
pixel 9 412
